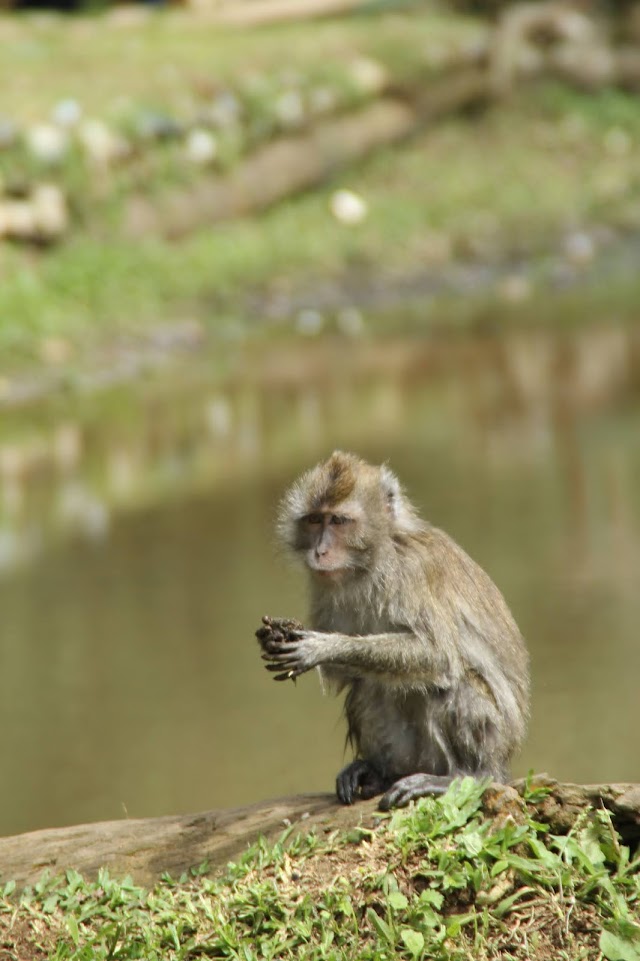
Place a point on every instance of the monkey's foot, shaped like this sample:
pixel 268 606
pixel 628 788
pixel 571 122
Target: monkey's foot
pixel 414 786
pixel 358 779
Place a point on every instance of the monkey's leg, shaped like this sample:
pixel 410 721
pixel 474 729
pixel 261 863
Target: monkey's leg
pixel 358 779
pixel 414 786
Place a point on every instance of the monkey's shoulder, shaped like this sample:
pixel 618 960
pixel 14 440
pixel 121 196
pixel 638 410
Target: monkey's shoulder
pixel 458 597
pixel 433 554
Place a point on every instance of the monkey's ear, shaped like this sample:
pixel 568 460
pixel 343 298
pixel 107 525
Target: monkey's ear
pixel 391 489
pixel 401 511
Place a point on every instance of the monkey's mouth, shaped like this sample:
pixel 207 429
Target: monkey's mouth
pixel 329 573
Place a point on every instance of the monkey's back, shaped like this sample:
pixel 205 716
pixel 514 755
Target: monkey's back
pixel 469 713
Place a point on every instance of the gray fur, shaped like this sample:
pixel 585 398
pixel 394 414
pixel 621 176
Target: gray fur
pixel 435 668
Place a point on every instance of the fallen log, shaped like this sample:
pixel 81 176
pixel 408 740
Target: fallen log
pixel 146 848
pixel 292 164
pixel 261 12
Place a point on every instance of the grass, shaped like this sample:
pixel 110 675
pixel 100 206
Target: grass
pixel 430 193
pixel 166 58
pixel 437 881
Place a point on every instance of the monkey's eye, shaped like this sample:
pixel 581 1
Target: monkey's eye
pixel 340 519
pixel 314 518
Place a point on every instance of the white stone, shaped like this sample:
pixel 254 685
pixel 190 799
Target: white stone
pixel 101 144
pixel 201 147
pixel 50 211
pixel 309 322
pixel 289 108
pixel 348 207
pixel 67 113
pixel 579 248
pixel 47 143
pixel 17 220
pixel 369 75
pixel 226 110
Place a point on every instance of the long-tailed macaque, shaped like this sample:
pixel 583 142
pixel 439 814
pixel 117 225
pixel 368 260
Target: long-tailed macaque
pixel 435 668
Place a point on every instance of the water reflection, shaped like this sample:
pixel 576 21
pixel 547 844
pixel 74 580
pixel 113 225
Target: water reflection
pixel 130 681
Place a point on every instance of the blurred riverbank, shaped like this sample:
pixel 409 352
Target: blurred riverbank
pixel 519 197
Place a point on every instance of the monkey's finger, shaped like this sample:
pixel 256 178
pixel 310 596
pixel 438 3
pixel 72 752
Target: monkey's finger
pixel 277 658
pixel 280 650
pixel 270 643
pixel 283 665
pixel 274 644
pixel 287 676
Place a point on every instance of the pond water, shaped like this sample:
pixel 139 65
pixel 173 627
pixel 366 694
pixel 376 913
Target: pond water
pixel 131 683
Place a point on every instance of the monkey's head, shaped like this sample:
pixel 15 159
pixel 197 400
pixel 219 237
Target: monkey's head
pixel 342 515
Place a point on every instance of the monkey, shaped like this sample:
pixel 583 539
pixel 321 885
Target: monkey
pixel 435 669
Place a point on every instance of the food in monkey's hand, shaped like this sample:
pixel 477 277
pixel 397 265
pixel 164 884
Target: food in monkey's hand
pixel 276 638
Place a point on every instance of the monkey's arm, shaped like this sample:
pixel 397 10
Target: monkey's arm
pixel 401 655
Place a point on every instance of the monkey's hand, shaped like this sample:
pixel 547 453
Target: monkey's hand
pixel 277 629
pixel 288 647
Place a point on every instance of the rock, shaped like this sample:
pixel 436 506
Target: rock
pixel 50 211
pixel 348 207
pixel 152 125
pixel 67 113
pixel 47 143
pixel 289 109
pixel 579 248
pixel 309 322
pixel 102 145
pixel 41 217
pixel 17 220
pixel 225 111
pixel 369 76
pixel 201 147
pixel 559 805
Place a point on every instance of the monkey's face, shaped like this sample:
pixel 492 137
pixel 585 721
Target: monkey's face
pixel 341 515
pixel 332 543
pixel 324 537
